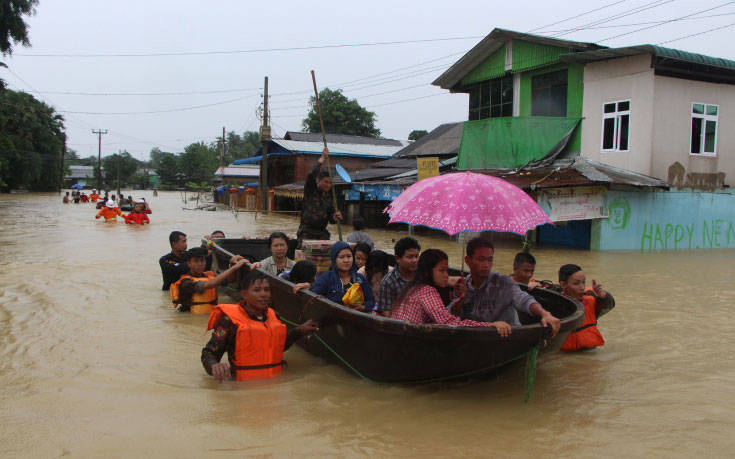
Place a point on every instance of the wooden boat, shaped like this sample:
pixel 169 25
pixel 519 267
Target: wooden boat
pixel 390 351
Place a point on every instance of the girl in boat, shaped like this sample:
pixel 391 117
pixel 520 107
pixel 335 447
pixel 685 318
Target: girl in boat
pixel 362 251
pixel 420 302
pixel 251 334
pixel 596 302
pixel 341 276
pixel 302 275
pixel 377 266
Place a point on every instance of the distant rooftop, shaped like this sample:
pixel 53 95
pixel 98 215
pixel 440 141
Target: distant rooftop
pixel 340 138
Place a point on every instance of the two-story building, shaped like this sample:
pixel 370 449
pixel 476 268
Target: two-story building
pixel 653 117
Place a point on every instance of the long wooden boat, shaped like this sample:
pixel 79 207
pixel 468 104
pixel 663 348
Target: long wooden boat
pixel 391 351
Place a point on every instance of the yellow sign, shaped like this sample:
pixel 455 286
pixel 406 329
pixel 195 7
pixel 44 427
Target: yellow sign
pixel 428 167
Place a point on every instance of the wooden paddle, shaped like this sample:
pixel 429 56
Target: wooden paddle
pixel 324 138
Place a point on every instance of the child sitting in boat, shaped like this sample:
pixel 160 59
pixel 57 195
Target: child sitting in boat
pixel 302 275
pixel 420 302
pixel 596 302
pixel 278 262
pixel 137 216
pixel 362 251
pixel 377 266
pixel 524 266
pixel 196 291
pixel 251 334
pixel 342 275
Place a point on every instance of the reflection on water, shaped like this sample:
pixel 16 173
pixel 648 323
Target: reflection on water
pixel 95 361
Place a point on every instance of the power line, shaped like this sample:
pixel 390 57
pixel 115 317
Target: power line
pixel 644 23
pixel 189 93
pixel 577 16
pixel 697 34
pixel 636 10
pixel 409 100
pixel 170 110
pixel 250 51
pixel 665 22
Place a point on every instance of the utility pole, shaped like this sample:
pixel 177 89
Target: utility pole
pixel 99 133
pixel 222 155
pixel 118 175
pixel 63 153
pixel 265 137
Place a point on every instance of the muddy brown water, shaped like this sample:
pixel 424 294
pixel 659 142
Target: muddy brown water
pixel 94 361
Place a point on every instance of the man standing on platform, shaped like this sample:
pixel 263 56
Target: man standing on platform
pixel 318 209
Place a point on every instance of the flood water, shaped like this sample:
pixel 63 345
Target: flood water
pixel 94 361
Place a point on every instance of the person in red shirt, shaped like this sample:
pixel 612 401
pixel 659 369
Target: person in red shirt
pixel 137 216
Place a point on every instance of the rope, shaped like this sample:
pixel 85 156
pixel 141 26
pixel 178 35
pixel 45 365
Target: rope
pixel 530 373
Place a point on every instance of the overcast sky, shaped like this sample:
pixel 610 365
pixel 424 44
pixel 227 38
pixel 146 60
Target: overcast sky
pixel 393 80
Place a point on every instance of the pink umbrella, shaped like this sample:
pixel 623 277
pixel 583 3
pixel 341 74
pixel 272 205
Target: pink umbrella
pixel 466 201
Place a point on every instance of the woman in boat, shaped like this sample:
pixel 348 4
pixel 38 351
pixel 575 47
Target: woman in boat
pixel 596 302
pixel 376 267
pixel 251 334
pixel 278 262
pixel 302 275
pixel 420 302
pixel 341 276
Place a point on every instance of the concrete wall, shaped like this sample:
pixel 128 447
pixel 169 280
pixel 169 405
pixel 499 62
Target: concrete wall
pixel 614 80
pixel 666 220
pixel 673 99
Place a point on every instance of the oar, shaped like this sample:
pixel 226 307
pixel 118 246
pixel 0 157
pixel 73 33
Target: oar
pixel 211 243
pixel 324 138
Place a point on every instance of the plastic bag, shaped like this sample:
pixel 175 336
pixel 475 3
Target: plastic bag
pixel 353 296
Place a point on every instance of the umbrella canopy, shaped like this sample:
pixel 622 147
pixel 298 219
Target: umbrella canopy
pixel 466 201
pixel 77 186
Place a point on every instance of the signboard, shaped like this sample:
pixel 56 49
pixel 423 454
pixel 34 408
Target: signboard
pixel 573 203
pixel 427 167
pixel 265 133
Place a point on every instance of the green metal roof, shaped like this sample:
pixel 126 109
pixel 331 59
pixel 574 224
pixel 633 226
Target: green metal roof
pixel 657 51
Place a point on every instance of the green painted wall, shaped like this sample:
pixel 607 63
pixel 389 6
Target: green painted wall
pixel 492 67
pixel 575 93
pixel 527 56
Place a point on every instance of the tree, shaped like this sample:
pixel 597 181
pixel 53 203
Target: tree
pixel 31 143
pixel 121 162
pixel 167 168
pixel 238 147
pixel 198 162
pixel 417 134
pixel 13 28
pixel 341 115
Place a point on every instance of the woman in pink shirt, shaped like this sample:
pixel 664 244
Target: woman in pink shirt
pixel 420 301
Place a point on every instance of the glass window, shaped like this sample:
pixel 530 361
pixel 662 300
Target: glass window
pixel 704 129
pixel 616 126
pixel 549 94
pixel 492 98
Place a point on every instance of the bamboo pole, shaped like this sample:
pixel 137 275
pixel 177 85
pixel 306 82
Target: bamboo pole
pixel 324 138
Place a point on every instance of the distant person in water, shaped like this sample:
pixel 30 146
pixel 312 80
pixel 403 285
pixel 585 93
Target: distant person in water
pixel 492 297
pixel 173 264
pixel 318 209
pixel 595 301
pixel 110 212
pixel 278 262
pixel 66 199
pixel 251 334
pixel 75 197
pixel 155 192
pixel 358 235
pixel 147 208
pixel 94 197
pixel 83 197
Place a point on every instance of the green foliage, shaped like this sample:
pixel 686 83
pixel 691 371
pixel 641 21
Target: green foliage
pixel 238 147
pixel 119 163
pixel 13 28
pixel 341 115
pixel 31 143
pixel 417 134
pixel 198 162
pixel 194 186
pixel 167 168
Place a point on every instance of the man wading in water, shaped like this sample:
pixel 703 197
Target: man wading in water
pixel 318 209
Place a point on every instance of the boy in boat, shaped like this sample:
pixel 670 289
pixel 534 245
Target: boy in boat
pixel 137 216
pixel 110 212
pixel 196 291
pixel 357 236
pixel 251 334
pixel 524 266
pixel 596 302
pixel 492 297
pixel 406 253
pixel 173 265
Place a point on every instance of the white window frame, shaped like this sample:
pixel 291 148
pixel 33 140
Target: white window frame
pixel 705 117
pixel 616 133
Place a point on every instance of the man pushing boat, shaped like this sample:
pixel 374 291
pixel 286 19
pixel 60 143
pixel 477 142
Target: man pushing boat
pixel 318 208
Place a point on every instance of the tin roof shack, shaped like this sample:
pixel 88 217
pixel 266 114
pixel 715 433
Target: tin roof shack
pixel 642 111
pixel 237 175
pixel 81 175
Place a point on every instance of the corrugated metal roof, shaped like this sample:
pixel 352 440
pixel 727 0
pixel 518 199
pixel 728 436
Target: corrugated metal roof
pixel 339 149
pixel 488 45
pixel 238 171
pixel 656 51
pixel 444 140
pixel 342 138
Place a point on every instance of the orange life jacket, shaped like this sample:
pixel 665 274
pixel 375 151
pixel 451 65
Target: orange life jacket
pixel 587 336
pixel 109 214
pixel 94 197
pixel 201 303
pixel 258 345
